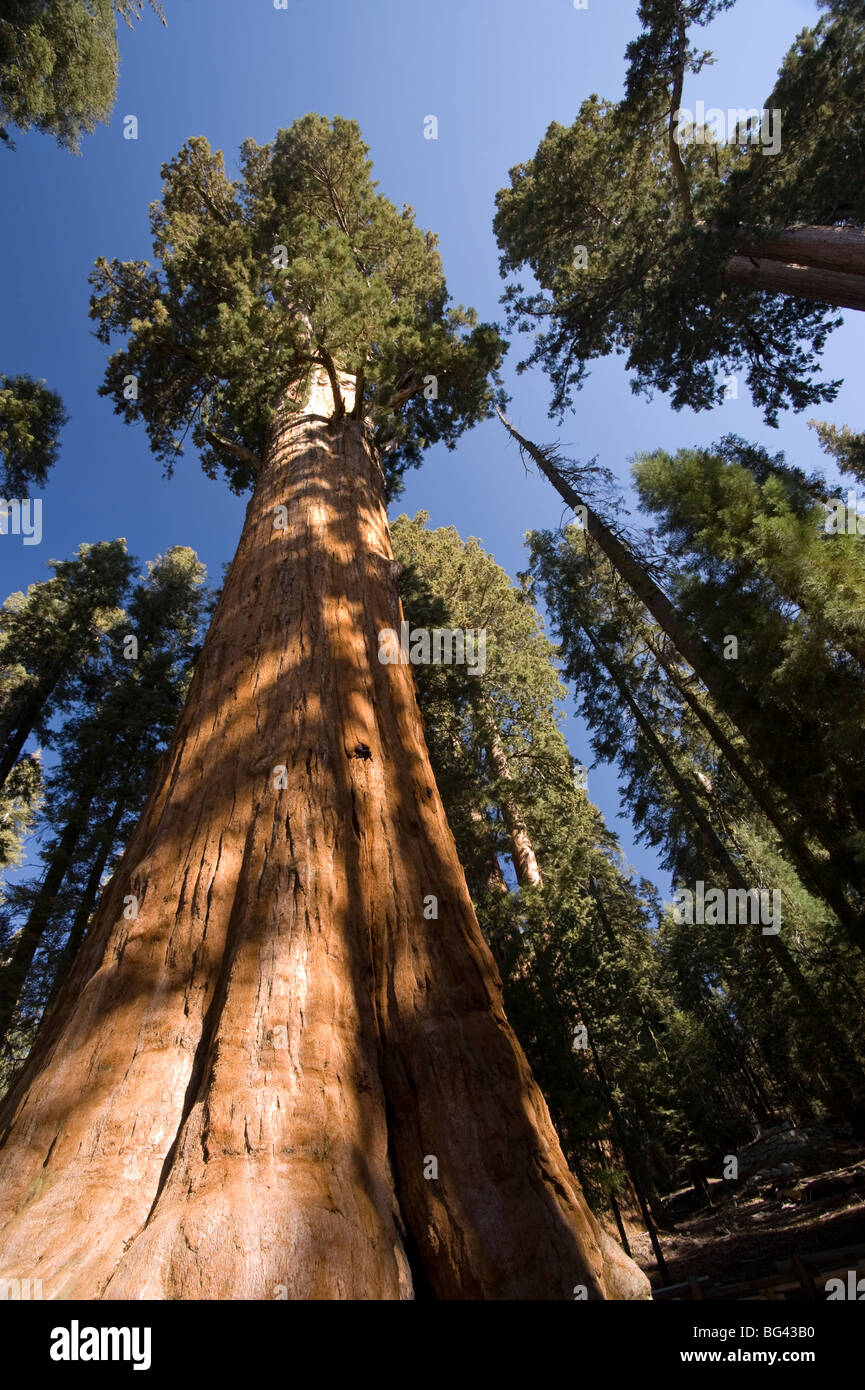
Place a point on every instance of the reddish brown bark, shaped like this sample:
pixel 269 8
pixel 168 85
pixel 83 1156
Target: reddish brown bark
pixel 238 1090
pixel 826 264
pixel 840 249
pixel 821 263
pixel 833 287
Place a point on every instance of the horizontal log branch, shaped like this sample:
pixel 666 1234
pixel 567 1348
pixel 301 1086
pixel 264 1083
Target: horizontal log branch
pixel 821 248
pixel 238 451
pixel 840 290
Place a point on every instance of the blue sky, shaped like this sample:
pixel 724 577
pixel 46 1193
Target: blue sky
pixel 494 73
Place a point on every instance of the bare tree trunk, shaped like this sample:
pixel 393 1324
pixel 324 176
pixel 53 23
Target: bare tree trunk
pixel 522 850
pixel 809 867
pixel 87 899
pixel 285 1074
pixel 682 185
pixel 529 875
pixel 18 729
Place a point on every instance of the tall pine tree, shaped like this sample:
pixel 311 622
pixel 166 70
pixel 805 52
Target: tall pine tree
pixel 127 704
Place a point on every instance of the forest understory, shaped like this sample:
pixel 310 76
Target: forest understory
pixel 803 1195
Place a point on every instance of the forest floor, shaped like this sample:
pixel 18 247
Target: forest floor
pixel 799 1192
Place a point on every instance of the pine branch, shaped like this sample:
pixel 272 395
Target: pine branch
pixel 238 451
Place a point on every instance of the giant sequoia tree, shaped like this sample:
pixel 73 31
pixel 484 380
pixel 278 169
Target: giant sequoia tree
pixel 692 256
pixel 281 1057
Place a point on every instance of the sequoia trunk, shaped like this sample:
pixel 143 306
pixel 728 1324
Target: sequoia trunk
pixel 803 282
pixel 280 1065
pixel 822 263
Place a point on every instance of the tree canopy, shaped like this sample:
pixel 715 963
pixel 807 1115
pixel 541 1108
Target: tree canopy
pixel 31 418
pixel 48 633
pixel 299 263
pixel 124 696
pixel 58 65
pixel 642 231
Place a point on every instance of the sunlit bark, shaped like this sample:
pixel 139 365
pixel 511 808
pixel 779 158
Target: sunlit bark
pixel 248 1088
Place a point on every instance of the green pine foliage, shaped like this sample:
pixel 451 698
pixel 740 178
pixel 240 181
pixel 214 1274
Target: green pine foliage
pixel 844 445
pixel 746 532
pixel 20 801
pixel 298 263
pixel 627 231
pixel 580 947
pixel 125 702
pixel 31 418
pixel 687 800
pixel 58 65
pixel 47 634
